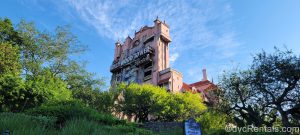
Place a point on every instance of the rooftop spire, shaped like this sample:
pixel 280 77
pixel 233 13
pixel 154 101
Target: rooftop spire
pixel 156 21
pixel 204 74
pixel 118 42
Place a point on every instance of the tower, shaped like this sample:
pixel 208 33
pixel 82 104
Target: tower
pixel 145 58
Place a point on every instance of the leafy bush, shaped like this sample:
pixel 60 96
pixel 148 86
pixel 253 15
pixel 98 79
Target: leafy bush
pixel 47 87
pixel 17 95
pixel 102 101
pixel 37 125
pixel 12 93
pixel 216 132
pixel 91 127
pixel 67 110
pixel 212 120
pixel 147 99
pixel 18 123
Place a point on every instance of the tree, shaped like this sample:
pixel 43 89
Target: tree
pixel 46 87
pixel 238 99
pixel 87 88
pixel 179 106
pixel 104 101
pixel 140 100
pixel 212 121
pixel 9 58
pixel 148 100
pixel 8 32
pixel 47 70
pixel 276 77
pixel 12 93
pixel 270 87
pixel 43 49
pixel 17 95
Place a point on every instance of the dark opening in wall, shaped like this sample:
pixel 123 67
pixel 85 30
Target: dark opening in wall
pixel 147 75
pixel 149 40
pixel 148 66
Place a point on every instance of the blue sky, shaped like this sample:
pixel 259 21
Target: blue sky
pixel 214 34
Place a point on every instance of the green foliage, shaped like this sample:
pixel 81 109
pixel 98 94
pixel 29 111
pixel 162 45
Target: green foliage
pixel 268 88
pixel 9 59
pixel 171 108
pixel 47 87
pixel 17 94
pixel 48 73
pixel 40 49
pixel 67 110
pixel 12 93
pixel 8 32
pixel 180 106
pixel 91 127
pixel 146 99
pixel 276 76
pixel 104 101
pixel 18 124
pixel 87 88
pixel 78 78
pixel 141 100
pixel 192 104
pixel 212 121
pixel 37 125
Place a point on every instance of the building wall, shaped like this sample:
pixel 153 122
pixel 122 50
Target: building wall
pixel 177 81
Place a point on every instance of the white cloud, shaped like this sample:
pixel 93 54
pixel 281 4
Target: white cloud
pixel 201 29
pixel 194 24
pixel 173 57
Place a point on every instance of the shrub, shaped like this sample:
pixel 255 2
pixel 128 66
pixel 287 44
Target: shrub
pixel 84 126
pixel 212 122
pixel 12 91
pixel 18 123
pixel 17 95
pixel 67 110
pixel 144 100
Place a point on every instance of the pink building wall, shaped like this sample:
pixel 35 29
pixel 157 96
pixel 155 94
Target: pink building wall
pixel 160 58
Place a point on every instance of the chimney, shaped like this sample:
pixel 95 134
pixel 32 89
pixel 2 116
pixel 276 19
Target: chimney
pixel 204 75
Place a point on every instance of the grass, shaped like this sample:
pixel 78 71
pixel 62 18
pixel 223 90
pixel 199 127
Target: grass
pixel 22 124
pixel 83 126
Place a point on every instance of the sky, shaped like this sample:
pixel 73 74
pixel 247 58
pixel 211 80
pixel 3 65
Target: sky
pixel 219 35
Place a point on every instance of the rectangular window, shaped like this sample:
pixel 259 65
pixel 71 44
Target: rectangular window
pixel 147 75
pixel 149 40
pixel 148 66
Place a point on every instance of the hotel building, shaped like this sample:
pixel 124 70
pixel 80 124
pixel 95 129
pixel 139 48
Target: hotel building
pixel 145 59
